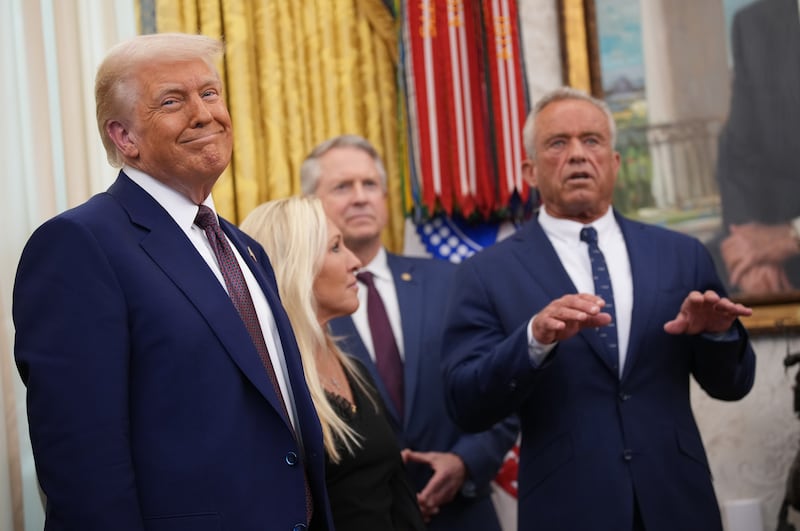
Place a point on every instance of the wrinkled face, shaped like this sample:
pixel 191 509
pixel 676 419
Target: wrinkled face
pixel 179 130
pixel 576 165
pixel 335 287
pixel 352 195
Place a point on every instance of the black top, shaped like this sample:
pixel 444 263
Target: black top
pixel 369 490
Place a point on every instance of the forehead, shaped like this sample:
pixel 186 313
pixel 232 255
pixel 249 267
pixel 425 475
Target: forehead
pixel 159 76
pixel 347 163
pixel 571 116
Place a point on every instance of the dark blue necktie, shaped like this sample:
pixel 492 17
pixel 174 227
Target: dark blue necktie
pixel 602 288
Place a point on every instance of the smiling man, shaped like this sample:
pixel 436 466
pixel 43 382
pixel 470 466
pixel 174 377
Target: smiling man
pixel 165 388
pixel 589 326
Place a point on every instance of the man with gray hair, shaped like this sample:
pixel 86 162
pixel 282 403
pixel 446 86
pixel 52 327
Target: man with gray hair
pixel 588 325
pixel 450 469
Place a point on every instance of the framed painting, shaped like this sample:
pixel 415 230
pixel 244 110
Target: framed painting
pixel 687 148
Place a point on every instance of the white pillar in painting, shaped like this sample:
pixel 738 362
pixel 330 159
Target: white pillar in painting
pixel 687 82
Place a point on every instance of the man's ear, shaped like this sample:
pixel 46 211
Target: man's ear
pixel 529 172
pixel 122 138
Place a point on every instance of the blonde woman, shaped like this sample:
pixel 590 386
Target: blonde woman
pixel 367 485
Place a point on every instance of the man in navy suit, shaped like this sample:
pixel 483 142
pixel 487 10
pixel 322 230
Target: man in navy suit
pixel 149 405
pixel 451 470
pixel 609 442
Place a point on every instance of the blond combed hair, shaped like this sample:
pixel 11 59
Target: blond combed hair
pixel 116 88
pixel 294 233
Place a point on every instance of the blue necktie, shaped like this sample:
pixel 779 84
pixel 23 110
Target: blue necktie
pixel 602 288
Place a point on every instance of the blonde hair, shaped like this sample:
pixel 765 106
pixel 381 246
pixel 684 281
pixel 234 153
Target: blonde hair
pixel 294 232
pixel 115 86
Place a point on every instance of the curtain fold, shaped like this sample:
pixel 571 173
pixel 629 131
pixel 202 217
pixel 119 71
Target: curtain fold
pixel 295 74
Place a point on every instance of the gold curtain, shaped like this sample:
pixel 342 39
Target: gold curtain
pixel 297 72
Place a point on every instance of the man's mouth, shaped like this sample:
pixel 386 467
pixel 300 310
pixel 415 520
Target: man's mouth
pixel 578 176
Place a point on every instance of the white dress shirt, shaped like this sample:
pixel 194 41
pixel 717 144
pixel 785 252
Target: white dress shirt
pixel 573 253
pixel 384 282
pixel 184 211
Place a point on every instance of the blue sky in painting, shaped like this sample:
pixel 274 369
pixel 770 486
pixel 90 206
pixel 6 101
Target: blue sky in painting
pixel 620 37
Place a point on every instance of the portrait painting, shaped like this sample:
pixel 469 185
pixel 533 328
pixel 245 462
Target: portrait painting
pixel 705 95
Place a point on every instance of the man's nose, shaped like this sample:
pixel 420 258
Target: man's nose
pixel 576 151
pixel 201 115
pixel 359 193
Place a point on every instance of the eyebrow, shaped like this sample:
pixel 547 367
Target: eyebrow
pixel 181 89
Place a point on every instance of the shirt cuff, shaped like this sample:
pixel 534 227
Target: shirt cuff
pixel 731 334
pixel 536 351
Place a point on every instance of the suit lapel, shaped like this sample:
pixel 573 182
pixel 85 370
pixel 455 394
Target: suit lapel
pixel 291 353
pixel 643 254
pixel 172 251
pixel 411 303
pixel 349 340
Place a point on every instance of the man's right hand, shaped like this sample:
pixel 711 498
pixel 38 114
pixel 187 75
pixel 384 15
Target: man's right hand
pixel 566 316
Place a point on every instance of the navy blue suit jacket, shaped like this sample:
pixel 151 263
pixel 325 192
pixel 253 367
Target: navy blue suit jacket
pixel 148 405
pixel 422 286
pixel 590 440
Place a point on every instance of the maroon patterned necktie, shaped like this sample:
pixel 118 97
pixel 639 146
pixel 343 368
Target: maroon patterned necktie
pixel 240 295
pixel 387 355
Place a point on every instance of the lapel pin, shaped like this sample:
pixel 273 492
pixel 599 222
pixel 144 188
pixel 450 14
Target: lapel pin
pixel 406 277
pixel 249 250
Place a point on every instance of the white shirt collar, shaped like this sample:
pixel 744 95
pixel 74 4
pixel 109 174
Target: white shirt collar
pixel 177 205
pixel 379 266
pixel 569 231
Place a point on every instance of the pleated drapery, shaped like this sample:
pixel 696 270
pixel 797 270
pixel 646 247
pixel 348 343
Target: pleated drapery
pixel 297 72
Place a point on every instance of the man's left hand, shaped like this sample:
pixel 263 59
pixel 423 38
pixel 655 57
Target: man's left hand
pixel 449 474
pixel 706 313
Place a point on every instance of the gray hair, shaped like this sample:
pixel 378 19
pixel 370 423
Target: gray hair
pixel 311 172
pixel 115 89
pixel 560 94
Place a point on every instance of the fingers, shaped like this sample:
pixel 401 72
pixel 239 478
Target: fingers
pixel 564 317
pixel 706 313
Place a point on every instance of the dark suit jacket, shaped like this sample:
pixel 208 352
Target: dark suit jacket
pixel 757 166
pixel 148 405
pixel 590 440
pixel 422 286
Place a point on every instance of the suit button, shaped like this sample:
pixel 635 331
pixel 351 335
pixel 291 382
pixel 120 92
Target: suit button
pixel 627 454
pixel 624 396
pixel 300 527
pixel 291 459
